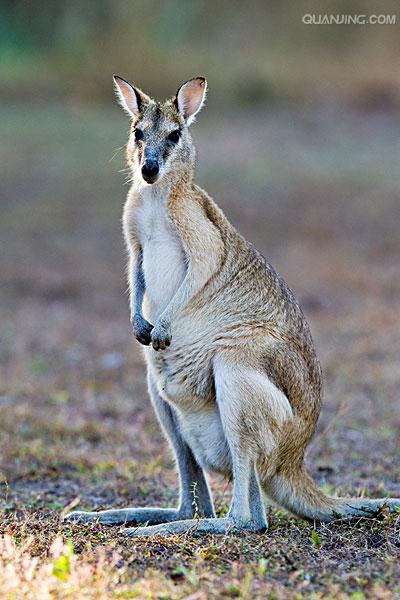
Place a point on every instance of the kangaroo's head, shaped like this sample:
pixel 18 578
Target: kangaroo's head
pixel 160 146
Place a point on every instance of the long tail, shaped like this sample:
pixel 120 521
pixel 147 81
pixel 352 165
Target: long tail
pixel 299 494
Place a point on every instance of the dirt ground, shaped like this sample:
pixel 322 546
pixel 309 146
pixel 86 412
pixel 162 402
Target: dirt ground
pixel 317 190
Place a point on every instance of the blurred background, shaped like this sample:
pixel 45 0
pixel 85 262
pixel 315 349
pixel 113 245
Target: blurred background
pixel 298 143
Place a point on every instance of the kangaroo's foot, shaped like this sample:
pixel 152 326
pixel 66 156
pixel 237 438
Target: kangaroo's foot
pixel 128 516
pixel 195 526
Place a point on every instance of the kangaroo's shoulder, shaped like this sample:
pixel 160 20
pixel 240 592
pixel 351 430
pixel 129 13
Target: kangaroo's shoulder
pixel 213 212
pixel 198 232
pixel 193 204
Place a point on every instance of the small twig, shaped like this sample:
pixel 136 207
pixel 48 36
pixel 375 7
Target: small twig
pixel 69 507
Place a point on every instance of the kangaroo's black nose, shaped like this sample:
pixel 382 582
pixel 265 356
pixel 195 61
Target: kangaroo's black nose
pixel 150 170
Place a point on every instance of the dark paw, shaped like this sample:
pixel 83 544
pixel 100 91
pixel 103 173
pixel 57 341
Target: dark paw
pixel 160 337
pixel 142 330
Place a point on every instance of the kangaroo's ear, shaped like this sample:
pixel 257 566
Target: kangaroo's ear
pixel 132 99
pixel 190 98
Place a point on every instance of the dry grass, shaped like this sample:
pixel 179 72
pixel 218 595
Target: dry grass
pixel 60 574
pixel 75 422
pixel 41 559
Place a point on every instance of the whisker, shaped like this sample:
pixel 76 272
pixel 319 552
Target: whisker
pixel 116 152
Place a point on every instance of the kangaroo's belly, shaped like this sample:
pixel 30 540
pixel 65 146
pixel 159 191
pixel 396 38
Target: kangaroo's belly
pixel 184 371
pixel 183 375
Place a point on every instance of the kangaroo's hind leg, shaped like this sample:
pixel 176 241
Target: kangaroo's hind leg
pixel 239 394
pixel 194 491
pixel 257 503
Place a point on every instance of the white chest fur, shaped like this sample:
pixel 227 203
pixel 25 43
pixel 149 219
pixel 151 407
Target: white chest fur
pixel 163 256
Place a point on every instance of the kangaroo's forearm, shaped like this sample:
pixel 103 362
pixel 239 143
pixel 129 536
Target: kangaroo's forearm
pixel 203 248
pixel 142 328
pixel 193 282
pixel 197 275
pixel 137 285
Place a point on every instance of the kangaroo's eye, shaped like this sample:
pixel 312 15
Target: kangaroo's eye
pixel 138 135
pixel 174 136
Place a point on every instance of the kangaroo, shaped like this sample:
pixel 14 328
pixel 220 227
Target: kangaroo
pixel 232 371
